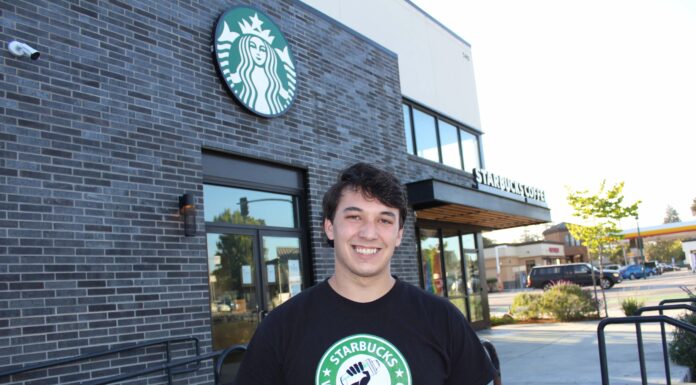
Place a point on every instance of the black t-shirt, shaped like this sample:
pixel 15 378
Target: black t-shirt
pixel 406 337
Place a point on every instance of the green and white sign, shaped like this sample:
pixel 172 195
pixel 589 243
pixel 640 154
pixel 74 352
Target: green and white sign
pixel 363 359
pixel 255 61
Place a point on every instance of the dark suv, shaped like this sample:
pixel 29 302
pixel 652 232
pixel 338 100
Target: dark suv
pixel 542 277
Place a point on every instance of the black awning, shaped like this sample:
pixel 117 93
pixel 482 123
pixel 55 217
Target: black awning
pixel 445 202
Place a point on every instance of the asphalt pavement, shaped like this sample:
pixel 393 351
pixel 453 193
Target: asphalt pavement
pixel 567 353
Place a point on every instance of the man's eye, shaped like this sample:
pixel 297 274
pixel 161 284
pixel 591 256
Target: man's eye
pixel 386 221
pixel 353 217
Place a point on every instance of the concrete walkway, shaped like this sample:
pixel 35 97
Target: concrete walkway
pixel 567 353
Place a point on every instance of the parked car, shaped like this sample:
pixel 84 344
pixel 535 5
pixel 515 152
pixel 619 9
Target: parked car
pixel 542 277
pixel 613 266
pixel 654 267
pixel 666 267
pixel 637 271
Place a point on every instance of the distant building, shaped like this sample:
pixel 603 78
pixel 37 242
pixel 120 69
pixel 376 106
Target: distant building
pixel 574 250
pixel 517 259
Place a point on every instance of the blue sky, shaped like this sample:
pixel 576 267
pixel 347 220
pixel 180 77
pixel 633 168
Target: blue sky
pixel 574 92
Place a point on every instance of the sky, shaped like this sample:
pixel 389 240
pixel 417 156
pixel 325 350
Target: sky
pixel 575 92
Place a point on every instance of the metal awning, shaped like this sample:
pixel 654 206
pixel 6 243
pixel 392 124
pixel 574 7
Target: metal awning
pixel 445 202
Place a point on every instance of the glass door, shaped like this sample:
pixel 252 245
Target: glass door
pixel 234 296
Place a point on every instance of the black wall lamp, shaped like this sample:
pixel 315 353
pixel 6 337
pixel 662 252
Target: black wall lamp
pixel 187 208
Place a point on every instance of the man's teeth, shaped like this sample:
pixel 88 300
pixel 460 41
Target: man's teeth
pixel 364 250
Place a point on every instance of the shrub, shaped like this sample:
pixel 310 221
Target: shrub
pixel 567 302
pixel 526 306
pixel 682 348
pixel 504 320
pixel 630 305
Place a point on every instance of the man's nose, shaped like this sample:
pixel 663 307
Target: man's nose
pixel 368 230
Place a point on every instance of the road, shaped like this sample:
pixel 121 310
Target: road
pixel 652 290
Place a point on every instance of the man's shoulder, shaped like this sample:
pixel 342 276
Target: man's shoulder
pixel 302 300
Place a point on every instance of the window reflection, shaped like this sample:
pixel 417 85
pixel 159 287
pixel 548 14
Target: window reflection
pixel 432 266
pixel 449 142
pixel 407 129
pixel 248 207
pixel 281 257
pixel 470 150
pixel 426 135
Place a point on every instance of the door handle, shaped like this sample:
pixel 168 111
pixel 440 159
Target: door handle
pixel 262 314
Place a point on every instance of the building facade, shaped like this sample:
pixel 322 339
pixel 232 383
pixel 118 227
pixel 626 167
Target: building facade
pixel 512 262
pixel 149 192
pixel 573 248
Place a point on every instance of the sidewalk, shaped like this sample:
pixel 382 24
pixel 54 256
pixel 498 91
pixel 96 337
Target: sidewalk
pixel 567 353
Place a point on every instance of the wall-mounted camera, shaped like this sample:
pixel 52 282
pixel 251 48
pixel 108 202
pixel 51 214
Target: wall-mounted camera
pixel 23 50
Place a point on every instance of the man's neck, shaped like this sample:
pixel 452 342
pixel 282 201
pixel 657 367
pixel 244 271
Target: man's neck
pixel 360 289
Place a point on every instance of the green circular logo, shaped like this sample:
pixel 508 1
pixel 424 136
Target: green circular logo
pixel 255 61
pixel 363 359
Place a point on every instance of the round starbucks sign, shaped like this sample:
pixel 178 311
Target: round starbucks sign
pixel 363 359
pixel 255 61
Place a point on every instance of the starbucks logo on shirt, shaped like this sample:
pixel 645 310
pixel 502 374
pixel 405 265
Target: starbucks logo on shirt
pixel 363 359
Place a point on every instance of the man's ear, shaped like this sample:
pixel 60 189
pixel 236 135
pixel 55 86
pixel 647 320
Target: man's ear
pixel 328 229
pixel 399 237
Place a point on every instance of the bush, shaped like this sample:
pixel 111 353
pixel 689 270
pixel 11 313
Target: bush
pixel 504 320
pixel 682 348
pixel 526 306
pixel 630 305
pixel 567 302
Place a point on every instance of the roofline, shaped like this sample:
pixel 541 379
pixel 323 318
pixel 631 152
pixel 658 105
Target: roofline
pixel 439 23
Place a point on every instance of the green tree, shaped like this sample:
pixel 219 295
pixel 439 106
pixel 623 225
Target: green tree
pixel 600 214
pixel 664 251
pixel 671 215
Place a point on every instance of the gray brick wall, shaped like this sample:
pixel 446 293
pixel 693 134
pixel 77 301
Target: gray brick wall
pixel 100 136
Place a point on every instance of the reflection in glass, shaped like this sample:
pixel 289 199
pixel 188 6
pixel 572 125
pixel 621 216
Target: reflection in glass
pixel 473 283
pixel 430 257
pixel 470 150
pixel 407 129
pixel 468 241
pixel 232 288
pixel 248 207
pixel 450 145
pixel 281 256
pixel 426 136
pixel 453 267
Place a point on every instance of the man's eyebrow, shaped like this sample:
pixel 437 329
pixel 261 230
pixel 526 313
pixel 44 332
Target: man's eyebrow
pixel 353 208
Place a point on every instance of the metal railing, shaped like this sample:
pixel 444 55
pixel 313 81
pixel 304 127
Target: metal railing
pixel 638 320
pixel 169 366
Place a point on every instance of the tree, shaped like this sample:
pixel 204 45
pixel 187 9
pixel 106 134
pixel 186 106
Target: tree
pixel 665 251
pixel 600 214
pixel 671 215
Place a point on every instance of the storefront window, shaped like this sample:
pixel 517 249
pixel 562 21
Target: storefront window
pixel 454 273
pixel 449 142
pixel 426 136
pixel 243 206
pixel 433 280
pixel 446 143
pixel 408 129
pixel 470 150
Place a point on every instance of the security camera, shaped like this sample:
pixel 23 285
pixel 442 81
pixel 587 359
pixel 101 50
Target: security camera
pixel 22 49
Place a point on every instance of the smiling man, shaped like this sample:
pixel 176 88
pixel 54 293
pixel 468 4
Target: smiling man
pixel 363 326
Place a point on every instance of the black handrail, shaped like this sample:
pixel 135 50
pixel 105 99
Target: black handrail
pixel 223 355
pixel 634 320
pixel 109 351
pixel 663 334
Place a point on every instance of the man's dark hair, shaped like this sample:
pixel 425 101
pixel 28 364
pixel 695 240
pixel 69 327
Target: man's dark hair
pixel 373 183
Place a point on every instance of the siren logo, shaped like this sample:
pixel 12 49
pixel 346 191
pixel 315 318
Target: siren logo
pixel 363 359
pixel 255 61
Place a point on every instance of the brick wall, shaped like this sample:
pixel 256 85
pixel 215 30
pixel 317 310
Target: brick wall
pixel 100 136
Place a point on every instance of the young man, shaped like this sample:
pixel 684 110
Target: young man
pixel 363 326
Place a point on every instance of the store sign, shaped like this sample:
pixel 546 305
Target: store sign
pixel 255 61
pixel 486 178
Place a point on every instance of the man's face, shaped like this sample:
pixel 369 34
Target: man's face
pixel 365 233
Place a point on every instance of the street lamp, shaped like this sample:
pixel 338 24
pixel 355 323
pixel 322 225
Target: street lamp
pixel 639 243
pixel 497 266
